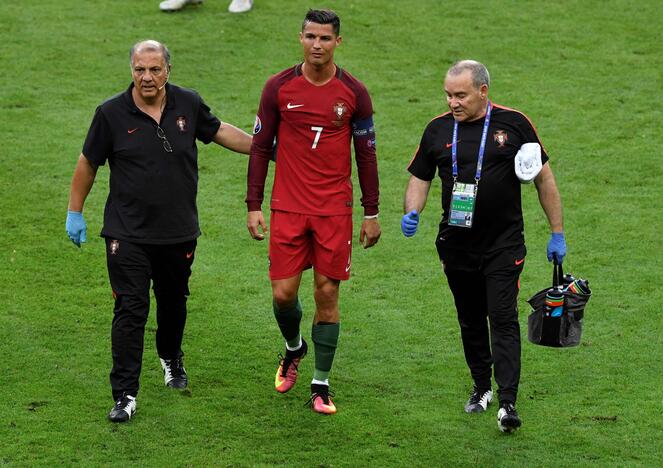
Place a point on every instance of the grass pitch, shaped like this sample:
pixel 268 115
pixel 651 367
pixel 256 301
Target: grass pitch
pixel 587 73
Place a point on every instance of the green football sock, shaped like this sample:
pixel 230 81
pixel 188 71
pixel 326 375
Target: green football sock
pixel 325 340
pixel 288 319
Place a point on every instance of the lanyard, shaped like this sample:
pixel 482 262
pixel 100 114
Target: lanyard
pixel 482 147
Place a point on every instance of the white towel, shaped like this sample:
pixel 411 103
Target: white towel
pixel 528 162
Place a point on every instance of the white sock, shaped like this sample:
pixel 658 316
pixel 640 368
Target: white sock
pixel 320 382
pixel 296 347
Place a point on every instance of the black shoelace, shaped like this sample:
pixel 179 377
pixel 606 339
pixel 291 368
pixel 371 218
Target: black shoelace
pixel 122 403
pixel 324 394
pixel 286 362
pixel 509 408
pixel 477 395
pixel 176 368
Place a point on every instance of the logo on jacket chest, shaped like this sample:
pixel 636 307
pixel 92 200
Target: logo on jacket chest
pixel 181 123
pixel 339 112
pixel 500 137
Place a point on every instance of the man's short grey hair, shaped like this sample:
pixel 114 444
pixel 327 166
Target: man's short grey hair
pixel 480 75
pixel 149 45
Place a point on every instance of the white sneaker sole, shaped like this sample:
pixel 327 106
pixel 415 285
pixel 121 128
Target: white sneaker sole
pixel 169 9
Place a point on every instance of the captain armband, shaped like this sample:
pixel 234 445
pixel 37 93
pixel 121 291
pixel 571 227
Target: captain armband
pixel 364 129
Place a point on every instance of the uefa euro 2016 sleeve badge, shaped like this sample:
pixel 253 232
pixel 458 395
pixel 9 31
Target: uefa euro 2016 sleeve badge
pixel 181 123
pixel 500 137
pixel 339 112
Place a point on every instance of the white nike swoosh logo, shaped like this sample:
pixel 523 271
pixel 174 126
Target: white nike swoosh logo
pixel 294 106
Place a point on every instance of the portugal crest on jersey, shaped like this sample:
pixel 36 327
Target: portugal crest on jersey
pixel 500 138
pixel 339 112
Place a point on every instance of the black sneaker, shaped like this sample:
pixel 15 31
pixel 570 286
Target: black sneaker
pixel 479 400
pixel 507 417
pixel 174 374
pixel 123 409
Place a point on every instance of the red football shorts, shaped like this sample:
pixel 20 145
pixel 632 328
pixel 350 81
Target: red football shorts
pixel 299 241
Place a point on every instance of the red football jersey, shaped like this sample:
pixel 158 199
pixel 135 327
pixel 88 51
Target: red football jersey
pixel 312 127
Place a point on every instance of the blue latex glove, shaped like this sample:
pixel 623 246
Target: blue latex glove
pixel 409 223
pixel 556 247
pixel 76 227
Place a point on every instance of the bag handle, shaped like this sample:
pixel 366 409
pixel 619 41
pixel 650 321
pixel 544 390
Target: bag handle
pixel 558 273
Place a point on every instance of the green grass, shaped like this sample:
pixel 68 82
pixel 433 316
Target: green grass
pixel 587 73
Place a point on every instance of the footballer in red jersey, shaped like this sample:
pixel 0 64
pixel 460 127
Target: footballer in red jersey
pixel 309 115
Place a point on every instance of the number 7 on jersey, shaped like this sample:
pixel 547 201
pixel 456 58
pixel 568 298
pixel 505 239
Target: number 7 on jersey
pixel 318 131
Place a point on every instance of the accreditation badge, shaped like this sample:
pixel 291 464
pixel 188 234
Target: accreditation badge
pixel 463 198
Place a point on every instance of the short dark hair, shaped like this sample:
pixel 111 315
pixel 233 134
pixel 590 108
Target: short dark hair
pixel 323 17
